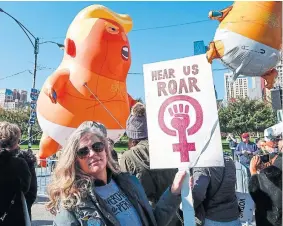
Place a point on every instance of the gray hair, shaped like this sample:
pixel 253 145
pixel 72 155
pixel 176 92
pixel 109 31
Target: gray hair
pixel 10 135
pixel 91 124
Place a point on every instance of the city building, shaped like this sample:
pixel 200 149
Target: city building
pixel 237 89
pixel 24 96
pixel 6 95
pixel 16 94
pixel 256 92
pixel 279 68
pixel 278 82
pixel 12 99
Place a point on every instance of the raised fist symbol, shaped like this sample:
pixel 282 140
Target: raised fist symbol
pixel 181 119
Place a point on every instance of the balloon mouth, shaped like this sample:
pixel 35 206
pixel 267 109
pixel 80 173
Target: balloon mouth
pixel 125 53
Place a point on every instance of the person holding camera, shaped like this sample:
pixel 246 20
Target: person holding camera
pixel 265 188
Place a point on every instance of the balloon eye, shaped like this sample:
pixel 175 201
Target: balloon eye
pixel 112 30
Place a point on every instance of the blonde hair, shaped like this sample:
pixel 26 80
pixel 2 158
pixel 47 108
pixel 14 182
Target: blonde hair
pixel 9 135
pixel 69 183
pixel 85 19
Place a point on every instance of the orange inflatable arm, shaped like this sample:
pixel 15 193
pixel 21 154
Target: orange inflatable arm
pixel 132 101
pixel 216 15
pixel 55 84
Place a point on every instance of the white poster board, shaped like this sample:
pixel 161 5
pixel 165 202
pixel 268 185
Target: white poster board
pixel 182 117
pixel 246 205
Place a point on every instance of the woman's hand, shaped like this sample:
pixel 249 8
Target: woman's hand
pixel 177 183
pixel 255 164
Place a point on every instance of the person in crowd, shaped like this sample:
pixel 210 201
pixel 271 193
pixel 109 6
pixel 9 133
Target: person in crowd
pixel 136 160
pixel 111 148
pixel 214 195
pixel 232 143
pixel 246 149
pixel 270 147
pixel 265 188
pixel 30 159
pixel 88 189
pixel 15 177
pixel 261 146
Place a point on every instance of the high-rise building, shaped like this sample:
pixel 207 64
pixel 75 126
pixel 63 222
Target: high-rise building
pixel 23 97
pixel 278 82
pixel 16 94
pixel 256 92
pixel 237 89
pixel 6 95
pixel 12 99
pixel 279 68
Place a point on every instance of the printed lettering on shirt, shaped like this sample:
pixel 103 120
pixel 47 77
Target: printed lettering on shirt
pixel 119 202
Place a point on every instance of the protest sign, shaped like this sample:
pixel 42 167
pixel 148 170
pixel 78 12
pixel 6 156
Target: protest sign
pixel 246 206
pixel 182 116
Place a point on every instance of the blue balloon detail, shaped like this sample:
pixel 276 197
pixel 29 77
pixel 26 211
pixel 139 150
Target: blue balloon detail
pixel 54 95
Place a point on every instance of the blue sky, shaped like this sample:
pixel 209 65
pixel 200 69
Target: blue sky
pixel 50 20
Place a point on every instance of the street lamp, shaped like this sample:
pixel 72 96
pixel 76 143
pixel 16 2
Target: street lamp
pixel 35 45
pixel 58 44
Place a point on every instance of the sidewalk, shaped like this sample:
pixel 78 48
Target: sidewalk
pixel 40 216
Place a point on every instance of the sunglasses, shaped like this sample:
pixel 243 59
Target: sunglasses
pixel 96 147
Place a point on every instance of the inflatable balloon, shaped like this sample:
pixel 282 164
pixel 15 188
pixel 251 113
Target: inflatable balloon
pixel 248 39
pixel 90 83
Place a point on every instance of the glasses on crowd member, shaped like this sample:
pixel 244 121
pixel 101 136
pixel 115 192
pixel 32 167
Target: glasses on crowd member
pixel 96 147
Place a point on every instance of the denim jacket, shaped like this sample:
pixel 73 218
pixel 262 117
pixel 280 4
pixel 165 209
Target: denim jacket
pixel 94 211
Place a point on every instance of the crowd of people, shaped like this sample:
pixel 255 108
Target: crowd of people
pixel 91 186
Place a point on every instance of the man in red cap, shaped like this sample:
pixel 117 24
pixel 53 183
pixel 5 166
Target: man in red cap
pixel 246 149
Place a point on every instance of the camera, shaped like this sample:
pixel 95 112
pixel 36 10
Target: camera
pixel 264 158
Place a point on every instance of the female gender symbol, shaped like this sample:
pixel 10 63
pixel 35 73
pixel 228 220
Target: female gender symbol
pixel 180 122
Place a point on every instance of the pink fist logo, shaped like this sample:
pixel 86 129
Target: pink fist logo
pixel 180 121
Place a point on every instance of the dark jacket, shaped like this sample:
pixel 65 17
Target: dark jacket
pixel 232 144
pixel 32 192
pixel 266 191
pixel 14 178
pixel 95 208
pixel 214 192
pixel 136 161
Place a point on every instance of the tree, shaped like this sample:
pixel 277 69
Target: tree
pixel 246 115
pixel 21 118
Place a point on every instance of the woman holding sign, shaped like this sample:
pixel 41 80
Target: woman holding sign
pixel 87 188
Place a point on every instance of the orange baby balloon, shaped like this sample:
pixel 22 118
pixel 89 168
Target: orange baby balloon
pixel 248 39
pixel 90 83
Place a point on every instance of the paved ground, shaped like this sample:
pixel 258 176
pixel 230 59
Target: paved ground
pixel 40 216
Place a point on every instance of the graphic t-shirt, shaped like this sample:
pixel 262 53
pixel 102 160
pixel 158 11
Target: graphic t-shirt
pixel 117 201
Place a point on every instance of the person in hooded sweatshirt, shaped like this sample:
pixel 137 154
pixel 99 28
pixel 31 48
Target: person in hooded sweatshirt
pixel 137 162
pixel 15 177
